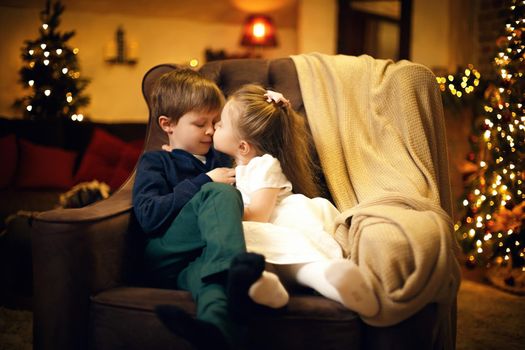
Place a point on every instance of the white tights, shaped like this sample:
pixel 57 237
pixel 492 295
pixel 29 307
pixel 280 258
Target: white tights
pixel 339 280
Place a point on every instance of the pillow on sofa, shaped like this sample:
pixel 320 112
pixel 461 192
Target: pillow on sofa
pixel 8 159
pixel 125 166
pixel 107 159
pixel 44 167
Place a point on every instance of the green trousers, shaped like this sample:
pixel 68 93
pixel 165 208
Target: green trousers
pixel 197 250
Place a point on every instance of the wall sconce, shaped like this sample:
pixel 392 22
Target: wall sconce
pixel 258 31
pixel 119 51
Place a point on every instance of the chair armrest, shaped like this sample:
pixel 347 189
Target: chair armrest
pixel 116 204
pixel 77 253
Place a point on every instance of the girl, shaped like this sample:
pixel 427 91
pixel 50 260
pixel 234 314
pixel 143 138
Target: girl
pixel 269 143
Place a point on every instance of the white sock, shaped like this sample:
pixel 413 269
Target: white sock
pixel 352 287
pixel 269 291
pixel 339 280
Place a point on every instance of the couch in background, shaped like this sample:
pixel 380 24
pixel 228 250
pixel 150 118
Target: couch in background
pixel 40 161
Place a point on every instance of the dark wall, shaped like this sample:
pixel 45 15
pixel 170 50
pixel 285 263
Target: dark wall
pixel 492 15
pixel 67 134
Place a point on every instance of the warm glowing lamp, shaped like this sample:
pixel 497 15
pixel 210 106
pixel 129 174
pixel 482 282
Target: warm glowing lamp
pixel 259 30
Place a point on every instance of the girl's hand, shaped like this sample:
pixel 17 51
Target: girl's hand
pixel 223 175
pixel 166 148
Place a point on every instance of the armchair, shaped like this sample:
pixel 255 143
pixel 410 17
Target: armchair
pixel 90 292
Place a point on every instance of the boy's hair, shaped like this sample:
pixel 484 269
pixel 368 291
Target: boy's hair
pixel 184 90
pixel 276 129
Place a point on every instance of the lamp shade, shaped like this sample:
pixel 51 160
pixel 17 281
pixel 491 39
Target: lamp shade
pixel 258 30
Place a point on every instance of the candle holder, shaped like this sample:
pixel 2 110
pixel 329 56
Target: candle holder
pixel 121 52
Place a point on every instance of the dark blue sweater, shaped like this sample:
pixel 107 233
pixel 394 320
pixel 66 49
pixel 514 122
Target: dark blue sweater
pixel 166 181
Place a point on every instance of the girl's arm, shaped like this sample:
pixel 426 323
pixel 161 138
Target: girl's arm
pixel 262 205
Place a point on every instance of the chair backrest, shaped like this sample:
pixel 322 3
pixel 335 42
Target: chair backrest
pixel 279 74
pixel 229 75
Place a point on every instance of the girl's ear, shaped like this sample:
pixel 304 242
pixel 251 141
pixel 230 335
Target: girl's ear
pixel 245 148
pixel 165 124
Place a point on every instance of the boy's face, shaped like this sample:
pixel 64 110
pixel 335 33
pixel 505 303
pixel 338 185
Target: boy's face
pixel 193 132
pixel 226 139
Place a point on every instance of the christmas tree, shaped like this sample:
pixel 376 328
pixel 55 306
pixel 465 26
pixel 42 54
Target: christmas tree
pixel 492 230
pixel 51 72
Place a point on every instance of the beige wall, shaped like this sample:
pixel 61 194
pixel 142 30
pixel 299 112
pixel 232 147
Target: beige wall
pixel 116 90
pixel 317 26
pixel 430 33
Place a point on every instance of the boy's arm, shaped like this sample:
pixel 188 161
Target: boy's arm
pixel 155 202
pixel 261 205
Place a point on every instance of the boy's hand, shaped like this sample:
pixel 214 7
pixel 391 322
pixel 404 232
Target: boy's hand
pixel 224 175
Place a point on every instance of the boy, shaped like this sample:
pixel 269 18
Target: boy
pixel 184 201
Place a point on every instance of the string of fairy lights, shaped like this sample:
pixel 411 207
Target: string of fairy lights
pixel 51 72
pixel 42 54
pixel 492 227
pixel 461 85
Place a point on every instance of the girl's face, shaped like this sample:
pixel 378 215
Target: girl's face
pixel 226 138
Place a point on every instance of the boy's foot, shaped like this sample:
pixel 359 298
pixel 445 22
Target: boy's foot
pixel 269 291
pixel 352 287
pixel 202 335
pixel 246 268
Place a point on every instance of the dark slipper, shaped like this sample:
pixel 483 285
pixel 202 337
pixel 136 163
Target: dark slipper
pixel 246 268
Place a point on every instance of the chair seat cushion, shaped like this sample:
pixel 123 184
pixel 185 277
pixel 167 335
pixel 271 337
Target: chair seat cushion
pixel 125 319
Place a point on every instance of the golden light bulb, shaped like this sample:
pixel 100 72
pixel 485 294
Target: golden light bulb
pixel 194 62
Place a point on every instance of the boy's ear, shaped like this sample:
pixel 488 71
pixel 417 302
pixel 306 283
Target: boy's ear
pixel 165 123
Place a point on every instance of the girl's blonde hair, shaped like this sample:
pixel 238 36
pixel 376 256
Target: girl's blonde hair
pixel 275 128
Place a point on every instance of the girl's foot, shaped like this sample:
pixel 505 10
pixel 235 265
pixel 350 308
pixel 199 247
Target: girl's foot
pixel 352 287
pixel 269 291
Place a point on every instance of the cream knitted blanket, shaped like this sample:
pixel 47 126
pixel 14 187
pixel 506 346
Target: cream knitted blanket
pixel 378 129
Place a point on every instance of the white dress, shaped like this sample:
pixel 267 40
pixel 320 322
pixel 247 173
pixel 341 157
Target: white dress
pixel 300 228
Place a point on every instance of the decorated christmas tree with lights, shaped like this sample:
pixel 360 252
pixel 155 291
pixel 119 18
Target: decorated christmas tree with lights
pixel 51 72
pixel 492 230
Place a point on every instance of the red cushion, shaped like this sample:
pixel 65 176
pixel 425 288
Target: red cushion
pixel 45 167
pixel 8 159
pixel 125 166
pixel 107 159
pixel 100 158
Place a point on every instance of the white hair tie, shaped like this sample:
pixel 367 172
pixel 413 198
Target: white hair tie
pixel 276 97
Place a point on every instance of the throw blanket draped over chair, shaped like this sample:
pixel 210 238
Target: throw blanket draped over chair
pixel 379 131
